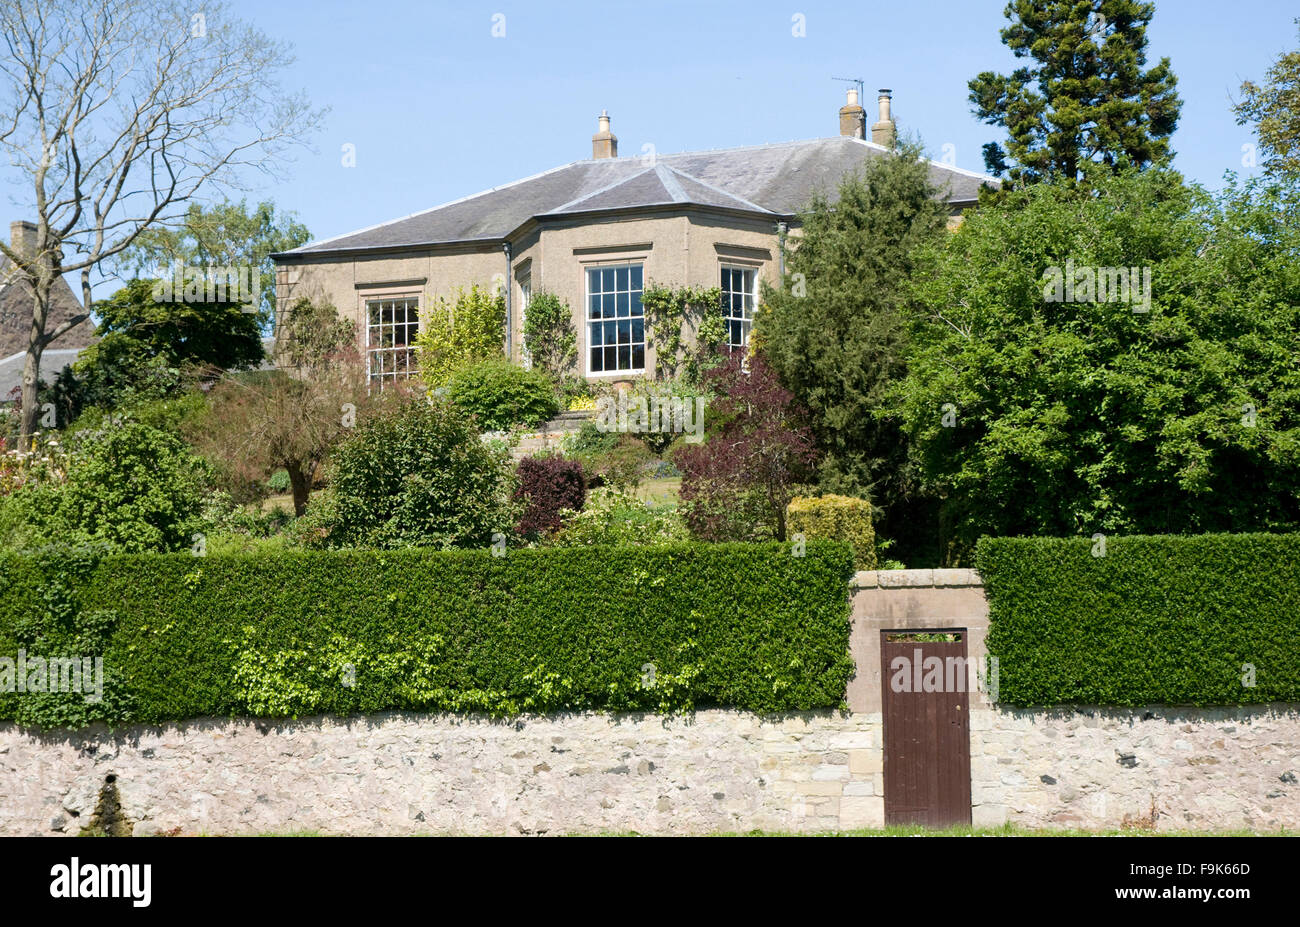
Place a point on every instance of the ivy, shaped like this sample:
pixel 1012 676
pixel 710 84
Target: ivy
pixel 670 313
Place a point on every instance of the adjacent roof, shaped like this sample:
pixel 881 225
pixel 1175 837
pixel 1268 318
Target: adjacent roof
pixel 16 313
pixel 53 360
pixel 776 180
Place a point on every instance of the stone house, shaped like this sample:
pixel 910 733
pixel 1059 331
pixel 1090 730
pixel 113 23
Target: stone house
pixel 594 232
pixel 16 300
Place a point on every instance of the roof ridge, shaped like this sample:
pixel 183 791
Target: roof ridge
pixel 727 193
pixel 463 199
pixel 665 175
pixel 604 189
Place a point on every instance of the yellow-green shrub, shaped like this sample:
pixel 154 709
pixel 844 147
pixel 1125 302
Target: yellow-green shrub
pixel 840 518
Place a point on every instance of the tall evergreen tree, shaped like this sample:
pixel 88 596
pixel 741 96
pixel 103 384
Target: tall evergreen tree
pixel 1088 97
pixel 833 331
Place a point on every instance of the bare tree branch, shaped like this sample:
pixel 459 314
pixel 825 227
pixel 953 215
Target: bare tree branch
pixel 120 113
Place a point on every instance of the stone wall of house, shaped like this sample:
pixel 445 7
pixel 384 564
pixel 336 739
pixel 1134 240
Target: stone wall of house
pixel 716 771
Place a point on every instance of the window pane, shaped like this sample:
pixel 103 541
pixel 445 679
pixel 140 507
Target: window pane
pixel 638 357
pixel 593 307
pixel 637 308
pixel 595 336
pixel 595 360
pixel 621 278
pixel 623 308
pixel 624 333
pixel 638 332
pixel 636 276
pixel 611 358
pixel 624 358
pixel 607 280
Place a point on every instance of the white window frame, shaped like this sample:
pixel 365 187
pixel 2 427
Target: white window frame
pixel 525 296
pixel 589 323
pixel 410 328
pixel 746 317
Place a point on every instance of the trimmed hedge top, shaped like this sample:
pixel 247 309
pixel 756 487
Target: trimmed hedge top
pixel 1202 620
pixel 338 632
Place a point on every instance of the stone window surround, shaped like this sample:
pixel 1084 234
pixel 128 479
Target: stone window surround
pixel 368 292
pixel 607 256
pixel 755 268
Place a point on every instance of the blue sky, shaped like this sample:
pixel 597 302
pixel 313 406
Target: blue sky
pixel 439 108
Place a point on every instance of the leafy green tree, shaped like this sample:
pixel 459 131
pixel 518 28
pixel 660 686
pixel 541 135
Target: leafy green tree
pixel 1088 97
pixel 417 475
pixel 457 333
pixel 227 234
pixel 1037 408
pixel 1273 107
pixel 835 333
pixel 145 346
pixel 549 336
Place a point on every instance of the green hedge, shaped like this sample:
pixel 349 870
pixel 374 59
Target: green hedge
pixel 1153 620
pixel 304 632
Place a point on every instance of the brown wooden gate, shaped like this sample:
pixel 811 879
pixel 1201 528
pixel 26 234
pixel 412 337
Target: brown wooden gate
pixel 927 727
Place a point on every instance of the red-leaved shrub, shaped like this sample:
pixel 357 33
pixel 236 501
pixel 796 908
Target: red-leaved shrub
pixel 737 484
pixel 547 485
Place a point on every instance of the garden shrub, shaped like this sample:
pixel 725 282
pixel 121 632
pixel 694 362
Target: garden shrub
pixel 1193 620
pixel 125 485
pixel 662 397
pixel 737 484
pixel 548 485
pixel 608 458
pixel 617 517
pixel 549 336
pixel 415 474
pixel 840 518
pixel 457 333
pixel 538 630
pixel 501 394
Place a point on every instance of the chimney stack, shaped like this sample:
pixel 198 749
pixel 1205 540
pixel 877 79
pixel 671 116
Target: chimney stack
pixel 604 144
pixel 22 237
pixel 882 133
pixel 853 118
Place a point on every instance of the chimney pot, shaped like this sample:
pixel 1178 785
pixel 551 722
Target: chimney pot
pixel 882 133
pixel 604 144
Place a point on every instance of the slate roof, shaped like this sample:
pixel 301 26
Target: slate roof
pixel 776 180
pixel 53 360
pixel 16 313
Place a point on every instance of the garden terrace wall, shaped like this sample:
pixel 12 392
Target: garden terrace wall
pixel 1161 767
